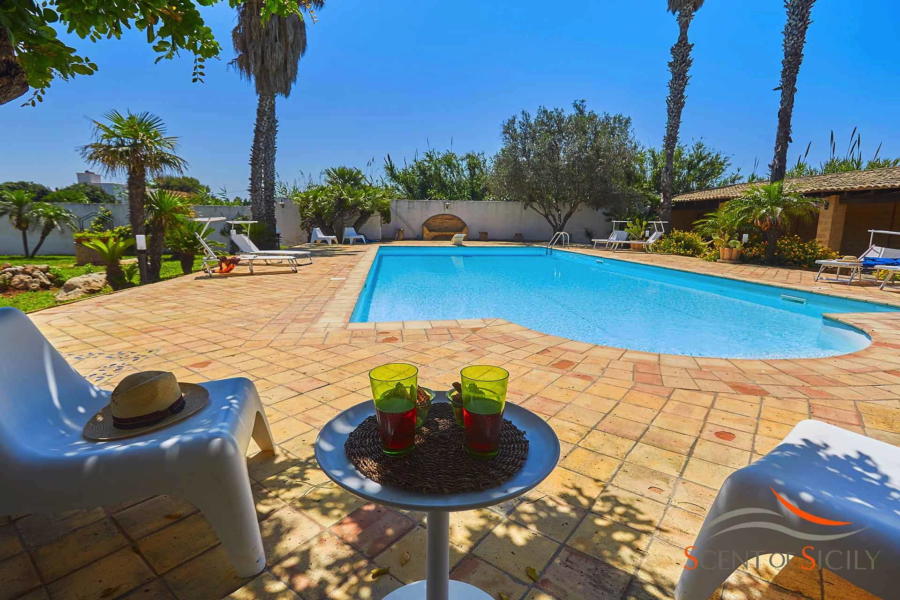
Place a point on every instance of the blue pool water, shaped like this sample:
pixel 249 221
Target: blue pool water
pixel 608 302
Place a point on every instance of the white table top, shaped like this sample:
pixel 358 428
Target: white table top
pixel 543 454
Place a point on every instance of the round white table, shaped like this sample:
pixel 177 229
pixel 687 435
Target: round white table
pixel 543 454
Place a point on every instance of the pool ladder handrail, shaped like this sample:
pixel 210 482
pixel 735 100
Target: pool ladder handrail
pixel 559 236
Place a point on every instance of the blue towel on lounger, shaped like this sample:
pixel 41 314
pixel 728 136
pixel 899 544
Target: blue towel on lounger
pixel 871 262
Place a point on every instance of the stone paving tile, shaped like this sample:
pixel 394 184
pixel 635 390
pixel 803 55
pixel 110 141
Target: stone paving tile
pixel 647 440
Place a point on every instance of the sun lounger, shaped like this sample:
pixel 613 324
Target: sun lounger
pixel 654 237
pixel 615 237
pixel 246 245
pixel 856 266
pixel 210 259
pixel 824 494
pixel 317 236
pixel 892 271
pixel 350 234
pixel 457 239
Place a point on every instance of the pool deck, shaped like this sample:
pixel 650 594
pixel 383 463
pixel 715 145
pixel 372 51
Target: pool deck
pixel 647 440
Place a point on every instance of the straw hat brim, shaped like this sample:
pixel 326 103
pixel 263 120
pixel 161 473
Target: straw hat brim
pixel 101 428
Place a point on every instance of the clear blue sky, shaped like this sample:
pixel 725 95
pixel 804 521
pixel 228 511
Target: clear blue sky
pixel 397 77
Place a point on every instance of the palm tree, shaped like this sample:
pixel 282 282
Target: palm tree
pixel 268 52
pixel 165 211
pixel 678 67
pixel 49 216
pixel 798 20
pixel 17 205
pixel 772 210
pixel 135 144
pixel 112 251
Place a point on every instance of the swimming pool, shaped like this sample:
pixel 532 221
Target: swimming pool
pixel 608 302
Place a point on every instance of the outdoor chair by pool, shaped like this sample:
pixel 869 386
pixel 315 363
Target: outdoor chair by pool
pixel 351 234
pixel 823 494
pixel 892 272
pixel 210 259
pixel 856 267
pixel 458 239
pixel 317 236
pixel 48 466
pixel 616 236
pixel 246 245
pixel 647 244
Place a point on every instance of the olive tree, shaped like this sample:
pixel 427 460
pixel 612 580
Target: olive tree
pixel 555 161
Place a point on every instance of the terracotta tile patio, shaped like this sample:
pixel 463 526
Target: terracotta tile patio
pixel 647 440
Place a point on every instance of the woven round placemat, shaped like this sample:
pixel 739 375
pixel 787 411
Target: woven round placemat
pixel 439 464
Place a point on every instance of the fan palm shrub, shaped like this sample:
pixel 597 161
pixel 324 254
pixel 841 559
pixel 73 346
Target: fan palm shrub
pixel 772 210
pixel 268 52
pixel 112 251
pixel 165 211
pixel 134 144
pixel 48 217
pixel 17 205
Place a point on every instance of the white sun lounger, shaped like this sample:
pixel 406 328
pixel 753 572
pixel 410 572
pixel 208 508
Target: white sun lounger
pixel 317 236
pixel 654 237
pixel 891 269
pixel 351 234
pixel 457 239
pixel 823 494
pixel 615 237
pixel 246 245
pixel 210 259
pixel 855 267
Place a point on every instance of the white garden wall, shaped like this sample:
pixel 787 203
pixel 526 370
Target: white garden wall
pixel 501 221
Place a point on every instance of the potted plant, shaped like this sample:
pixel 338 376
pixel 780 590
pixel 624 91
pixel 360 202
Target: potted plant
pixel 637 230
pixel 736 247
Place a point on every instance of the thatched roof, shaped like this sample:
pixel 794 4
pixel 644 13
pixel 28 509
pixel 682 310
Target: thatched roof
pixel 851 181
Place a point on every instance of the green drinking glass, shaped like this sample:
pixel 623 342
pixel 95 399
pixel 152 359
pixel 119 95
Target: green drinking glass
pixel 484 398
pixel 394 387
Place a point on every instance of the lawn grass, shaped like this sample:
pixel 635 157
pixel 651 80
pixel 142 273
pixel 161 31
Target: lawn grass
pixel 65 267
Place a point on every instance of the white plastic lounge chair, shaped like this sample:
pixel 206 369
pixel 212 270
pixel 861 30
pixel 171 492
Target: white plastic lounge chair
pixel 317 236
pixel 49 467
pixel 457 239
pixel 617 235
pixel 647 244
pixel 822 490
pixel 351 234
pixel 892 271
pixel 855 267
pixel 210 259
pixel 246 245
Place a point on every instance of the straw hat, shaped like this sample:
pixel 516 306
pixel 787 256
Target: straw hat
pixel 145 402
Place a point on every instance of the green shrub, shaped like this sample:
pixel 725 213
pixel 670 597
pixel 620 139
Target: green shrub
pixel 682 243
pixel 121 232
pixel 790 251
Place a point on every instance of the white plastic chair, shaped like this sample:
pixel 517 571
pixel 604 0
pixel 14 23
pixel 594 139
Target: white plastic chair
pixel 49 467
pixel 824 492
pixel 350 234
pixel 317 236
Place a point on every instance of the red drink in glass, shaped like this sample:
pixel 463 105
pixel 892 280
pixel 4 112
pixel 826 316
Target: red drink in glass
pixel 482 419
pixel 396 423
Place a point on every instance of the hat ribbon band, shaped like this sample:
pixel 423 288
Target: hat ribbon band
pixel 149 418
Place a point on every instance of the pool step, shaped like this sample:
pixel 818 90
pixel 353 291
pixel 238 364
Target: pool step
pixel 794 299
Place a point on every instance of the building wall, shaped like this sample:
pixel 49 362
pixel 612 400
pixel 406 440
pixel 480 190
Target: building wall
pixel 862 217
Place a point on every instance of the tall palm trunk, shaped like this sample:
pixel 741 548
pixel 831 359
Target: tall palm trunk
pixel 137 189
pixel 679 67
pixel 24 233
pixel 45 232
pixel 155 246
pixel 262 169
pixel 798 20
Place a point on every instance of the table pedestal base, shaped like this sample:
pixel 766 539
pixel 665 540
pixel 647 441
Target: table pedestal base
pixel 459 590
pixel 437 585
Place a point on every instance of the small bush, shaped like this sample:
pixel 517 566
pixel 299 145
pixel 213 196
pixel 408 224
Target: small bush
pixel 790 251
pixel 682 243
pixel 121 232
